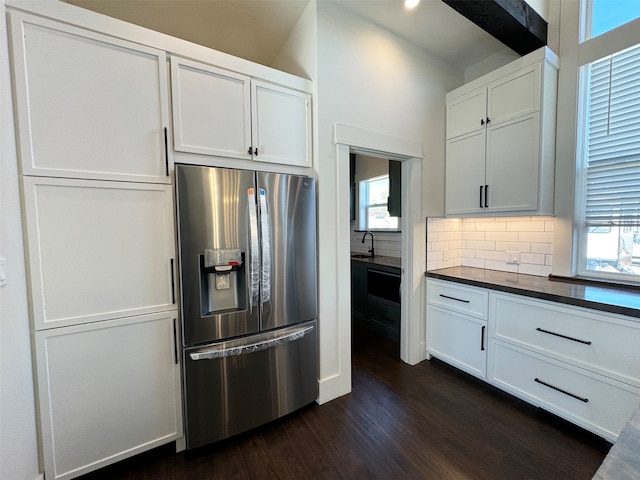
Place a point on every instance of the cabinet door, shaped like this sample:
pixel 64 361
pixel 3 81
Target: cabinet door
pixel 211 110
pixel 88 105
pixel 394 204
pixel 465 178
pixel 512 165
pixel 514 95
pixel 358 288
pixel 281 120
pixel 457 339
pixel 107 391
pixel 98 250
pixel 466 113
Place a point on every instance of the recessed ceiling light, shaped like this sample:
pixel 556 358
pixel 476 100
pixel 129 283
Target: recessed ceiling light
pixel 409 4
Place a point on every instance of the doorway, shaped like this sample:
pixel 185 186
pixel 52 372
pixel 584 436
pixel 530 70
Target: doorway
pixel 409 153
pixel 375 247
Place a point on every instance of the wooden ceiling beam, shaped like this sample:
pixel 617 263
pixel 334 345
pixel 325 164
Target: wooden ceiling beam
pixel 513 22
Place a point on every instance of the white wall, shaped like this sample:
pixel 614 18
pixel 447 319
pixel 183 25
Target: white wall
pixel 18 440
pixel 370 79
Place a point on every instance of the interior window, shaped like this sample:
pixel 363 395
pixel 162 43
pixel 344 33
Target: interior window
pixel 374 213
pixel 605 15
pixel 609 240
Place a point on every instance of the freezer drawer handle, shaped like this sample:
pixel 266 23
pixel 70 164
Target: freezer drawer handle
pixel 252 347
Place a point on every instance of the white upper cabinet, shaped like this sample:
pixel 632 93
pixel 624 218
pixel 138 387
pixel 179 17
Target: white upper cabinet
pixel 98 250
pixel 221 113
pixel 466 113
pixel 281 124
pixel 88 105
pixel 211 110
pixel 500 151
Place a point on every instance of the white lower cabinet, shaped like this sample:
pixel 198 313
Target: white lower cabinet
pixel 459 340
pixel 457 325
pixel 580 364
pixel 107 391
pixel 592 401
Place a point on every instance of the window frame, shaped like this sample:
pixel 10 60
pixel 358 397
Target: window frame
pixel 364 206
pixel 587 51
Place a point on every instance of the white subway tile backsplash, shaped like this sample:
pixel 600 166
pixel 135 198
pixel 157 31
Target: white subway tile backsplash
pixel 473 235
pixel 532 258
pixel 491 227
pixel 492 255
pixel 502 236
pixel 473 262
pixel 538 237
pixel 483 243
pixel 513 246
pixel 530 226
pixel 539 270
pixel 542 248
pixel 502 266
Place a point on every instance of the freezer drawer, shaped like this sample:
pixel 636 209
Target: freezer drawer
pixel 233 386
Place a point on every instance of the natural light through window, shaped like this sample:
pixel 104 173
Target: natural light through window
pixel 610 146
pixel 374 212
pixel 605 15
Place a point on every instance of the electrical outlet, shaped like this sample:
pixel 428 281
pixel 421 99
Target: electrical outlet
pixel 513 257
pixel 3 272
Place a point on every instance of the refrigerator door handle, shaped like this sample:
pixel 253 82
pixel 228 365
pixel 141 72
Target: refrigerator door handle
pixel 265 240
pixel 243 349
pixel 254 250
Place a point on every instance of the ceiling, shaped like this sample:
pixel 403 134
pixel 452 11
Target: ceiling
pixel 256 29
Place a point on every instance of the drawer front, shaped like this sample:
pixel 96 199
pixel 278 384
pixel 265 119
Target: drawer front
pixel 601 343
pixel 460 298
pixel 387 316
pixel 596 403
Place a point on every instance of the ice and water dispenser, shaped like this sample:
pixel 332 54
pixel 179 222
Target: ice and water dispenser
pixel 222 280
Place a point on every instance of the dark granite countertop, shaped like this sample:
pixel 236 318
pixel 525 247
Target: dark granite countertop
pixel 380 260
pixel 613 299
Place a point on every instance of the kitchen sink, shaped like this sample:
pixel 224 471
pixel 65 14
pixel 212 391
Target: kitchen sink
pixel 361 255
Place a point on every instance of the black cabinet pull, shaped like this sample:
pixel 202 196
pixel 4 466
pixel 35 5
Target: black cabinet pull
pixel 173 285
pixel 486 196
pixel 482 121
pixel 250 151
pixel 454 298
pixel 481 187
pixel 255 151
pixel 586 342
pixel 166 152
pixel 482 338
pixel 175 342
pixel 488 120
pixel 553 387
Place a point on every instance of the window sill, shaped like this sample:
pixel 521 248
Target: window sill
pixel 379 230
pixel 595 281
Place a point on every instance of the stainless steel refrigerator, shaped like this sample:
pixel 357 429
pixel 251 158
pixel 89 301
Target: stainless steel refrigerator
pixel 247 243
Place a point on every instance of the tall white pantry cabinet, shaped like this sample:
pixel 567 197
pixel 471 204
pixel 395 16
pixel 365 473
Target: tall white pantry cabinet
pixel 98 130
pixel 92 116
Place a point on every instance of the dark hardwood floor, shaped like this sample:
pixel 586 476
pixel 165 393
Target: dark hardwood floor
pixel 400 422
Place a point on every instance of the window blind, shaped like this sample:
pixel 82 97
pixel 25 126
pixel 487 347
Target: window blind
pixel 613 140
